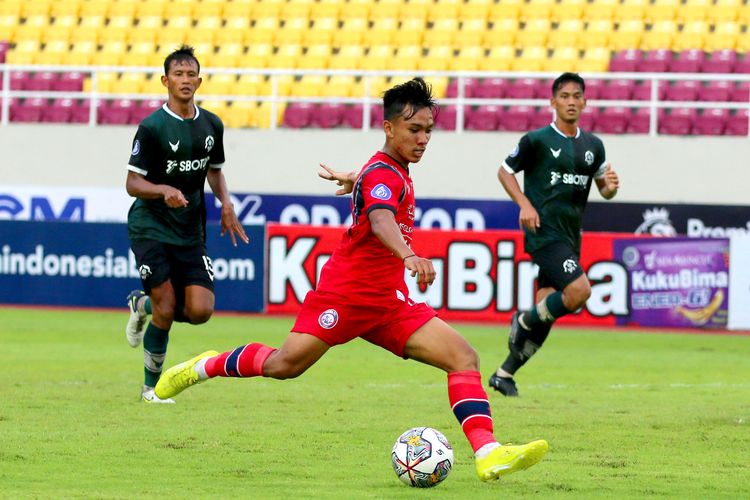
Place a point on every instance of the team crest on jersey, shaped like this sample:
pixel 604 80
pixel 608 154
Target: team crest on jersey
pixel 136 147
pixel 209 143
pixel 381 192
pixel 569 266
pixel 328 318
pixel 515 151
pixel 144 271
pixel 588 157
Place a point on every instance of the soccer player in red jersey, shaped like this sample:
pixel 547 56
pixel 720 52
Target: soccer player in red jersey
pixel 362 293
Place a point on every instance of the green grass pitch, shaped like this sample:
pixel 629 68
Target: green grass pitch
pixel 627 415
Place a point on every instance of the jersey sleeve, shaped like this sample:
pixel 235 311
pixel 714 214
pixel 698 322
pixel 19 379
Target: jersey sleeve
pixel 518 159
pixel 217 152
pixel 601 161
pixel 382 188
pixel 141 156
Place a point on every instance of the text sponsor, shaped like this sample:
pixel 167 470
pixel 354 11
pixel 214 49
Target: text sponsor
pixel 696 228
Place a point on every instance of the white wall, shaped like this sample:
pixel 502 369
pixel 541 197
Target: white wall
pixel 665 169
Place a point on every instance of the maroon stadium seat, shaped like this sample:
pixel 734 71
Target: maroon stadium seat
pixel 376 116
pixel 683 90
pixel 676 121
pixel 742 64
pixel 613 120
pixel 446 118
pixel 718 91
pixel 515 118
pixel 740 92
pixel 594 88
pixel 470 88
pixel 639 121
pixel 711 122
pixel 60 111
pixel 145 108
pixel 42 81
pixel 626 61
pixel 80 111
pixel 642 91
pixel 328 115
pixel 588 119
pixel 737 123
pixel 540 117
pixel 3 49
pixel 688 61
pixel 69 82
pixel 28 110
pixel 523 88
pixel 492 88
pixel 617 90
pixel 19 80
pixel 482 118
pixel 720 61
pixel 353 116
pixel 298 114
pixel 116 112
pixel 656 61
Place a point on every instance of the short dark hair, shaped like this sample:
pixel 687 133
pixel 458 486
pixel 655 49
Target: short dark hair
pixel 184 53
pixel 416 92
pixel 566 78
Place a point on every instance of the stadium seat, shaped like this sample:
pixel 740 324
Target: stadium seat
pixel 692 36
pixel 662 10
pixel 642 91
pixel 298 115
pixel 492 88
pixel 594 60
pixel 482 118
pixel 737 123
pixel 446 118
pixel 145 108
pixel 594 88
pixel 60 111
pixel 540 116
pixel 716 91
pixel 720 61
pixel 467 58
pixel 617 90
pixel 740 92
pixel 19 80
pixel 353 116
pixel 683 90
pixel 27 110
pixel 639 122
pixel 725 35
pixel 688 61
pixel 534 33
pixel 628 60
pixel 524 88
pixel 328 115
pixel 499 58
pixel 694 10
pixel 589 118
pixel 656 61
pixel 711 122
pixel 42 81
pixel 515 119
pixel 742 64
pixel 613 120
pixel 628 35
pixel 471 88
pixel 676 121
pixel 376 116
pixel 116 112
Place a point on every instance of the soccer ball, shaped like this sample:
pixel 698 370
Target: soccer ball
pixel 422 457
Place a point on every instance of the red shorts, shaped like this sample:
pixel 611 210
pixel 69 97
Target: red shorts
pixel 335 320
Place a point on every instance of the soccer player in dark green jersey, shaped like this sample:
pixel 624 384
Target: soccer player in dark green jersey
pixel 559 163
pixel 175 150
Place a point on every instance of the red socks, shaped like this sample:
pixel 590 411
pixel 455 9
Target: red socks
pixel 245 361
pixel 470 405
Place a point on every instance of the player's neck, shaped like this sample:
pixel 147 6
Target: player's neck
pixel 183 109
pixel 393 154
pixel 568 128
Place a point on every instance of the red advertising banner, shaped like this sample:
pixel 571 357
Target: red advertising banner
pixel 482 275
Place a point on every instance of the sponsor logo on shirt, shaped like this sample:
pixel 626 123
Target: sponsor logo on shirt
pixel 328 318
pixel 381 192
pixel 187 165
pixel 570 179
pixel 136 147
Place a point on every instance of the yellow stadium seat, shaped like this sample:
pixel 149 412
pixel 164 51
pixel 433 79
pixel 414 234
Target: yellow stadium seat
pixel 293 10
pixel 65 20
pixel 742 42
pixel 474 10
pixel 316 57
pixel 249 84
pixel 723 36
pixel 354 9
pixel 151 9
pixel 257 56
pixel 662 10
pixel 594 60
pixel 24 52
pixel 568 9
pixel 263 31
pixel 85 34
pixel 724 10
pixel 471 32
pixel 65 8
pixel 406 57
pixel 375 86
pixel 692 36
pixel 499 58
pixel 286 57
pixel 439 85
pixel 104 82
pixel 28 33
pixel 53 53
pixel 601 9
pixel 631 9
pixel 128 83
pixel 743 14
pixel 11 8
pixel 443 11
pixel 504 9
pixel 597 33
pixel 378 57
pixel 326 9
pixel 660 35
pixel 348 57
pixel 502 32
pixel 152 85
pixel 264 116
pixel 143 34
pixel 541 9
pixel 628 35
pixel 437 58
pixel 81 53
pixel 534 34
pixel 207 9
pixel 237 9
pixel 94 8
pixel 410 32
pixel 562 59
pixel 381 9
pixel 567 34
pixel 283 85
pixel 340 86
pixel 694 10
pixel 531 59
pixel 468 58
pixel 239 114
pixel 309 86
pixel 231 35
pixel 226 56
pixel 117 9
pixel 111 53
pixel 36 7
pixel 140 54
pixel 218 84
pixel 441 33
pixel 8 25
pixel 55 32
pixel 351 32
pixel 215 106
pixel 413 10
pixel 321 31
pixel 292 31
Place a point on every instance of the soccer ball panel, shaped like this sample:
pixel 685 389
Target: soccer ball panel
pixel 422 457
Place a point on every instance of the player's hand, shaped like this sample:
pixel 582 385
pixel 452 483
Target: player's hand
pixel 422 268
pixel 528 218
pixel 345 180
pixel 611 180
pixel 231 224
pixel 174 198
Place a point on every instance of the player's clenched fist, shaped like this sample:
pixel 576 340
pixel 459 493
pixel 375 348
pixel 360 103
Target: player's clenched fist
pixel 422 268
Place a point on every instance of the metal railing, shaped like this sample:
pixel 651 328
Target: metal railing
pixel 460 100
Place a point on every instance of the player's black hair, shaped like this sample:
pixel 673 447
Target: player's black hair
pixel 566 78
pixel 184 53
pixel 416 93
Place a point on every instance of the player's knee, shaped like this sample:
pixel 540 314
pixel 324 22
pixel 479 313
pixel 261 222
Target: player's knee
pixel 199 315
pixel 576 297
pixel 162 313
pixel 466 359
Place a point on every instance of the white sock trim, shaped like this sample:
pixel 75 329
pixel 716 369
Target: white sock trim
pixel 486 449
pixel 200 369
pixel 502 373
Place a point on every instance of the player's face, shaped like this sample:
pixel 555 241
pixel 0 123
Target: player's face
pixel 407 138
pixel 182 80
pixel 569 102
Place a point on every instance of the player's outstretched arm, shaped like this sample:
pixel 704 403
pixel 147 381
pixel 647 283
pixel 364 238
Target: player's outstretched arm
pixel 609 183
pixel 344 179
pixel 229 221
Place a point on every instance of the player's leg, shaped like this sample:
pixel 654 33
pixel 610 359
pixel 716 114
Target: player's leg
pixel 199 304
pixel 438 344
pixel 194 284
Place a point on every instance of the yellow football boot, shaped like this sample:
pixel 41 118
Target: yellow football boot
pixel 180 377
pixel 508 458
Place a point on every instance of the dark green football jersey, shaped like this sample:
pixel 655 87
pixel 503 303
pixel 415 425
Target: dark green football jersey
pixel 558 171
pixel 168 149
